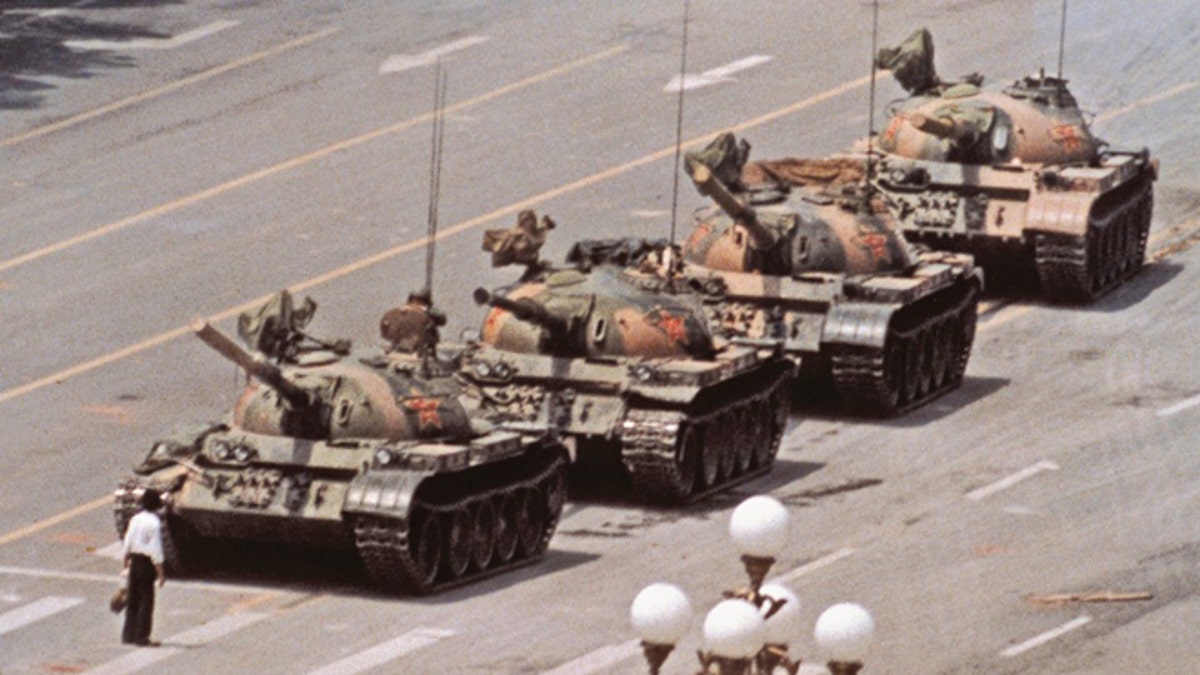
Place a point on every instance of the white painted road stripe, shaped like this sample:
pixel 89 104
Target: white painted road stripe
pixel 178 644
pixel 164 89
pixel 716 75
pixel 402 62
pixel 35 611
pixel 1046 637
pixel 1179 407
pixel 154 43
pixel 385 652
pixel 813 566
pixel 115 551
pixel 604 657
pixel 1004 484
pixel 113 578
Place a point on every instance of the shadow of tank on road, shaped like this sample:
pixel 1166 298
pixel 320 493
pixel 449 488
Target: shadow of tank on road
pixel 35 54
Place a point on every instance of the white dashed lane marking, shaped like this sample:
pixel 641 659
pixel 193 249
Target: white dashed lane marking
pixel 35 611
pixel 1049 635
pixel 1005 483
pixel 604 657
pixel 385 652
pixel 140 659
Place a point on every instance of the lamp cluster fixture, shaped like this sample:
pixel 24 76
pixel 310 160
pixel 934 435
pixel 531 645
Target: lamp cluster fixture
pixel 748 632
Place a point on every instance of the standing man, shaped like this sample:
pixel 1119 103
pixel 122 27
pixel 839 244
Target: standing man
pixel 143 564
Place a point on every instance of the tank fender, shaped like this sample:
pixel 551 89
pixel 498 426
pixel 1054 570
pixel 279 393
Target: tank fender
pixel 1060 212
pixel 860 324
pixel 388 492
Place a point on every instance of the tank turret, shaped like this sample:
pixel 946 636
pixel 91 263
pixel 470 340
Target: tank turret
pixel 833 228
pixel 600 314
pixel 384 453
pixel 1012 175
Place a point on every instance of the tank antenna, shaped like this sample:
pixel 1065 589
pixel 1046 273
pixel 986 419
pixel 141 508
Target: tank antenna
pixel 871 104
pixel 435 171
pixel 679 120
pixel 1062 38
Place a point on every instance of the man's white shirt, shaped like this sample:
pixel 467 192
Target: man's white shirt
pixel 144 536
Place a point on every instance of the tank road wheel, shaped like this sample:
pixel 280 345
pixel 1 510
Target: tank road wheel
pixel 710 454
pixel 963 330
pixel 426 549
pixel 531 522
pixel 554 490
pixel 687 461
pixel 943 353
pixel 744 439
pixel 483 534
pixel 1145 213
pixel 459 529
pixel 762 421
pixel 893 374
pixel 722 434
pixel 507 516
pixel 912 370
pixel 926 346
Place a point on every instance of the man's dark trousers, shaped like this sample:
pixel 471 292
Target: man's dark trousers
pixel 139 613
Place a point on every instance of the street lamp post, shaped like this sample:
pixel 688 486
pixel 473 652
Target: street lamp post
pixel 748 632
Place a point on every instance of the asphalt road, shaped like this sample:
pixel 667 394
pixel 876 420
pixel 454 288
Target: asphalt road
pixel 166 160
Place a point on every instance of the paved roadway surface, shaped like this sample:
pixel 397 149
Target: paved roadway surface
pixel 162 160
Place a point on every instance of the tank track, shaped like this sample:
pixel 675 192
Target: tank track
pixel 447 544
pixel 1080 269
pixel 924 356
pixel 679 457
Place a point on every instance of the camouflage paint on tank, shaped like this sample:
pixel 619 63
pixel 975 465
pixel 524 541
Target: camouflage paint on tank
pixel 627 359
pixel 805 253
pixel 1034 121
pixel 1014 176
pixel 609 317
pixel 377 452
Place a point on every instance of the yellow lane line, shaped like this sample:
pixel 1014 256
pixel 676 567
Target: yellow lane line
pixel 165 89
pixel 55 520
pixel 391 253
pixel 1150 100
pixel 256 176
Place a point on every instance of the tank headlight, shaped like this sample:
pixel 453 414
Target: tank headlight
pixel 383 457
pixel 502 370
pixel 642 373
pixel 161 449
pixel 898 176
pixel 222 450
pixel 483 369
pixel 243 453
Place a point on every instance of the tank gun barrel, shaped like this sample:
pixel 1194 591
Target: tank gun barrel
pixel 710 186
pixel 524 309
pixel 945 127
pixel 255 364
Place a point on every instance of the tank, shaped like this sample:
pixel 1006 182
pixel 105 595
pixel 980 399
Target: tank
pixel 384 453
pixel 631 363
pixel 1014 175
pixel 803 252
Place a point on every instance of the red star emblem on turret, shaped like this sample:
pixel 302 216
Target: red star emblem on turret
pixel 674 325
pixel 877 243
pixel 427 412
pixel 1068 136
